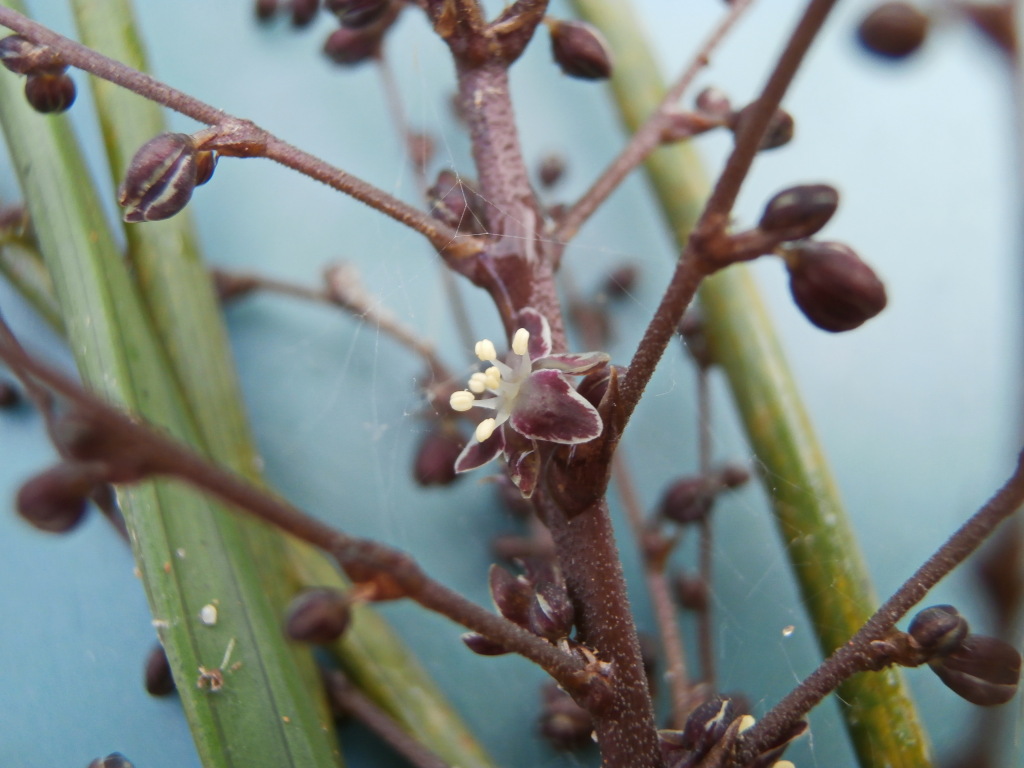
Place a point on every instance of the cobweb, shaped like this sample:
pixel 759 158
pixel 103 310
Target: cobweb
pixel 916 442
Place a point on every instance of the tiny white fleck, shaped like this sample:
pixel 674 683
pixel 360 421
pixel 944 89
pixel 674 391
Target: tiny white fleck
pixel 208 614
pixel 788 631
pixel 180 552
pixel 160 623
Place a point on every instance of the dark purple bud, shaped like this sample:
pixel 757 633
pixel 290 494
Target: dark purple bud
pixel 10 397
pixel 160 179
pixel 714 102
pixel 158 679
pixel 707 724
pixel 733 476
pixel 691 592
pixel 995 21
pixel 318 615
pixel 580 50
pixel 350 47
pixel 113 760
pixel 436 455
pixel 551 611
pixel 49 93
pixel 551 170
pixel 778 132
pixel 621 281
pixel 594 387
pixel 266 9
pixel 56 500
pixel 691 328
pixel 799 212
pixel 832 286
pixel 24 57
pixel 939 629
pixel 893 30
pixel 206 163
pixel 358 13
pixel 304 11
pixel 687 500
pixel 483 646
pixel 983 670
pixel 512 595
pixel 564 723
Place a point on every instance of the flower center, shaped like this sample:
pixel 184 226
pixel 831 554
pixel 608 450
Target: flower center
pixel 502 379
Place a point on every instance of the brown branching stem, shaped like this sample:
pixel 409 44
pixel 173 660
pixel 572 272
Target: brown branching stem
pixel 694 264
pixel 272 147
pixel 648 138
pixel 857 655
pixel 120 439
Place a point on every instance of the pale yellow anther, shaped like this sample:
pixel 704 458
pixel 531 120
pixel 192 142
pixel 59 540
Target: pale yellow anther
pixel 462 400
pixel 521 341
pixel 485 429
pixel 783 764
pixel 485 350
pixel 478 383
pixel 746 723
pixel 492 377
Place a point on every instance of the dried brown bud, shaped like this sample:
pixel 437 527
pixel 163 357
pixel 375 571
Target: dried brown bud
pixel 714 102
pixel 551 170
pixel 56 500
pixel 160 179
pixel 351 47
pixel 304 11
pixel 687 500
pixel 266 9
pixel 778 133
pixel 436 455
pixel 48 92
pixel 158 679
pixel 983 670
pixel 939 629
pixel 318 615
pixel 580 50
pixel 832 286
pixel 113 760
pixel 10 397
pixel 893 30
pixel 24 57
pixel 800 211
pixel 691 592
pixel 358 13
pixel 564 723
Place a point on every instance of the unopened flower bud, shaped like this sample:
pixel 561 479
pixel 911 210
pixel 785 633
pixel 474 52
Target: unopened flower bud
pixel 691 592
pixel 266 9
pixel 9 395
pixel 113 760
pixel 832 286
pixel 995 21
pixel 714 102
pixel 206 163
pixel 350 47
pixel 49 92
pixel 551 611
pixel 512 595
pixel 318 615
pixel 893 30
pixel 983 670
pixel 436 455
pixel 733 476
pixel 23 57
pixel 358 13
pixel 158 679
pixel 799 212
pixel 707 724
pixel 304 11
pixel 939 629
pixel 778 132
pixel 621 281
pixel 482 645
pixel 56 500
pixel 551 170
pixel 160 179
pixel 564 723
pixel 687 500
pixel 580 50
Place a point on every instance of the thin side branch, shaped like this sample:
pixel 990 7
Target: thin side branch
pixel 79 56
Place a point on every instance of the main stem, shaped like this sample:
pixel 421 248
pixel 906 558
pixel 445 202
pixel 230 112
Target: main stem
pixel 589 558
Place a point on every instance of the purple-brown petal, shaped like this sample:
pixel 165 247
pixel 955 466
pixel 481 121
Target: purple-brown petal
pixel 549 409
pixel 476 454
pixel 577 364
pixel 540 331
pixel 524 469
